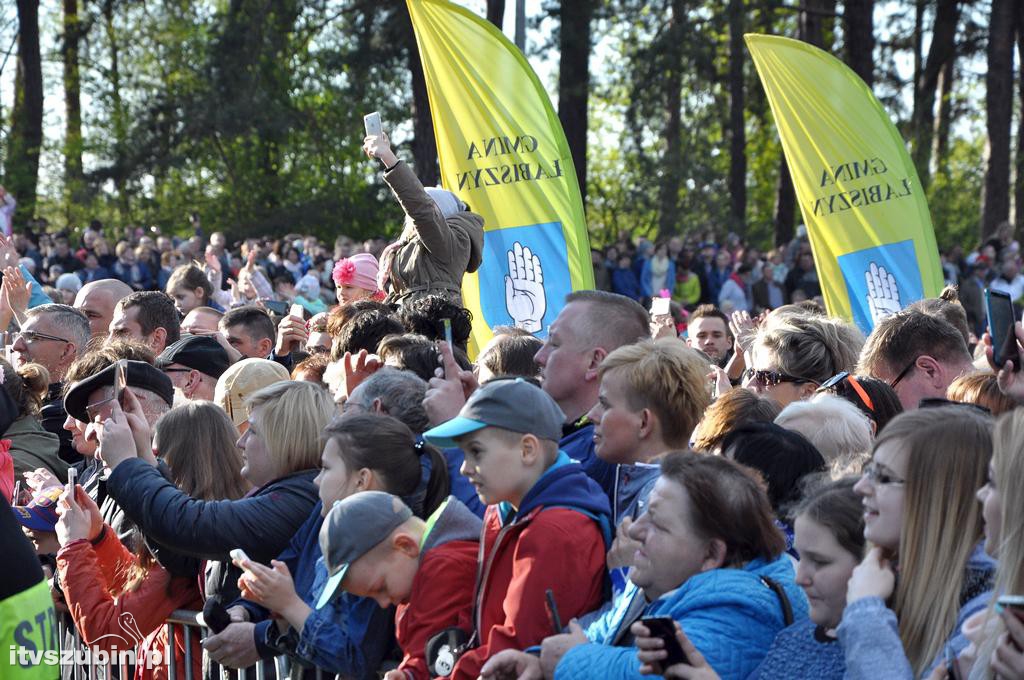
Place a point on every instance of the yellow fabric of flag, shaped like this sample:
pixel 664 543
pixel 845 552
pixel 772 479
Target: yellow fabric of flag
pixel 866 214
pixel 502 150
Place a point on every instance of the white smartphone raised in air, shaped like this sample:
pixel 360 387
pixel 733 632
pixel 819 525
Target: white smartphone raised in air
pixel 372 123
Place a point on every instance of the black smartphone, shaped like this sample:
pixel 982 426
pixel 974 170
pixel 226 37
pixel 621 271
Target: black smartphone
pixel 1001 320
pixel 277 307
pixel 215 615
pixel 552 607
pixel 664 627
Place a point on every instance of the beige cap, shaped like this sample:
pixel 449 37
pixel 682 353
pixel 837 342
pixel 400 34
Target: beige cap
pixel 241 380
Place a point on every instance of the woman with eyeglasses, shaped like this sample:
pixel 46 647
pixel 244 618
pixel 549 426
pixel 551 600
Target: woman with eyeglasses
pixel 927 572
pixel 793 354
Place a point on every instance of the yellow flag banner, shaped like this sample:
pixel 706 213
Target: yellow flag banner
pixel 502 150
pixel 866 214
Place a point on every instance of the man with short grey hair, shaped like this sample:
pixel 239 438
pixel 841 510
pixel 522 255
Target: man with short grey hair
pixel 394 393
pixel 53 336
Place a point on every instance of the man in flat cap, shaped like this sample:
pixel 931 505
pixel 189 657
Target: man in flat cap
pixel 194 364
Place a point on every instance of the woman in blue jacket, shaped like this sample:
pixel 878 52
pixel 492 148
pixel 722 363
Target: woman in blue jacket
pixel 710 558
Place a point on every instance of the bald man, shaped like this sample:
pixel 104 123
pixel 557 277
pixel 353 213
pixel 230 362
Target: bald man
pixel 97 301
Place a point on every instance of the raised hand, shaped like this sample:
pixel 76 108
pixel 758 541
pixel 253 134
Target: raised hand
pixel 380 148
pixel 524 289
pixel 883 293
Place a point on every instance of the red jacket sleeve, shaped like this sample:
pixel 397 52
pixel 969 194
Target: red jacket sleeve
pixel 441 597
pixel 111 623
pixel 560 549
pixel 116 562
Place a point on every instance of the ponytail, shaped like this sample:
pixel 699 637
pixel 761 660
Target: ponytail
pixel 389 448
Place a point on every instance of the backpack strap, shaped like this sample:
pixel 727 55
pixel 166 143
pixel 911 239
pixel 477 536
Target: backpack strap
pixel 787 607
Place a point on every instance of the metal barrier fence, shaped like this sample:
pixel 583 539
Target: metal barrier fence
pixel 118 667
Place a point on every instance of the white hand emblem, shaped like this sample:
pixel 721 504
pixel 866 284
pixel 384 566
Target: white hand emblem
pixel 524 289
pixel 883 293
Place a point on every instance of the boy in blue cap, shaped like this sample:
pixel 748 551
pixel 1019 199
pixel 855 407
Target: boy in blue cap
pixel 546 527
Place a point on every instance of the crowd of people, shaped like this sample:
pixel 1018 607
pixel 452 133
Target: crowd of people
pixel 295 441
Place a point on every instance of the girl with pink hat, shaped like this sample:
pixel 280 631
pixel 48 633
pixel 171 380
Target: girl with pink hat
pixel 355 278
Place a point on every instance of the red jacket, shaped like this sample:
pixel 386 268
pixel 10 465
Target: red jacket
pixel 109 617
pixel 556 548
pixel 441 597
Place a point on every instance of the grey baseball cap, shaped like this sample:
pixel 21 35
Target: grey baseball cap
pixel 511 404
pixel 354 527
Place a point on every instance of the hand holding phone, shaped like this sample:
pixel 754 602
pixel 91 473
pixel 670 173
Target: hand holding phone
pixel 239 557
pixel 297 310
pixel 664 628
pixel 371 122
pixel 72 479
pixel 1001 321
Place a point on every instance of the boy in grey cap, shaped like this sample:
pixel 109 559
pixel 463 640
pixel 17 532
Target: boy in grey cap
pixel 548 524
pixel 395 558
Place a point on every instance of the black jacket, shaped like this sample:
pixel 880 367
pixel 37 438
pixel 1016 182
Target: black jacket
pixel 261 524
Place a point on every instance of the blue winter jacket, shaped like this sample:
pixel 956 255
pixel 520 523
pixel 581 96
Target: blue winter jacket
pixel 645 278
pixel 349 636
pixel 730 615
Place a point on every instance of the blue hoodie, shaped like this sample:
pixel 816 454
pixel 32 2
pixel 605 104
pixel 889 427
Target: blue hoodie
pixel 349 637
pixel 557 540
pixel 730 615
pixel 579 445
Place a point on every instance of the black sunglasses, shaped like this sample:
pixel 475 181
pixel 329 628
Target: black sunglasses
pixel 773 378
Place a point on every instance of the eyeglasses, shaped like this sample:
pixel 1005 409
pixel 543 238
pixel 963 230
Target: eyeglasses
pixel 877 475
pixel 32 336
pixel 96 409
pixel 903 373
pixel 772 378
pixel 844 376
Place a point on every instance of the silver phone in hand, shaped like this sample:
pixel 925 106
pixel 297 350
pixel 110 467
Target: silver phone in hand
pixel 372 123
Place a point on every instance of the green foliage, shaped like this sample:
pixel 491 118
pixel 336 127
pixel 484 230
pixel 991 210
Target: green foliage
pixel 954 197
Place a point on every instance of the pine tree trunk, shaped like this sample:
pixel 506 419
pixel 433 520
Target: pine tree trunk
pixel 120 124
pixel 424 144
pixel 940 141
pixel 812 30
pixel 737 124
pixel 574 81
pixel 496 13
pixel 1018 194
pixel 941 51
pixel 671 164
pixel 72 103
pixel 995 200
pixel 859 32
pixel 26 133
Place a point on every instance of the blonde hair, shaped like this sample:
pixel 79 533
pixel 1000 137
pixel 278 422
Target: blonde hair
pixel 980 389
pixel 292 418
pixel 736 407
pixel 1008 466
pixel 811 346
pixel 947 450
pixel 666 377
pixel 838 429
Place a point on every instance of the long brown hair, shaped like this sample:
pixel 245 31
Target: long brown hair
pixel 389 448
pixel 197 440
pixel 948 451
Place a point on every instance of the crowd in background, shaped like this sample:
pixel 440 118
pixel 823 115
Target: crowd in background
pixel 293 439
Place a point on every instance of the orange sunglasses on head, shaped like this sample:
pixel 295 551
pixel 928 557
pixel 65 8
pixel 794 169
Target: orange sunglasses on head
pixel 832 382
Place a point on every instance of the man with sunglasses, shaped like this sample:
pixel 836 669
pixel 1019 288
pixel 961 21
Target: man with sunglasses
pixel 917 354
pixel 53 336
